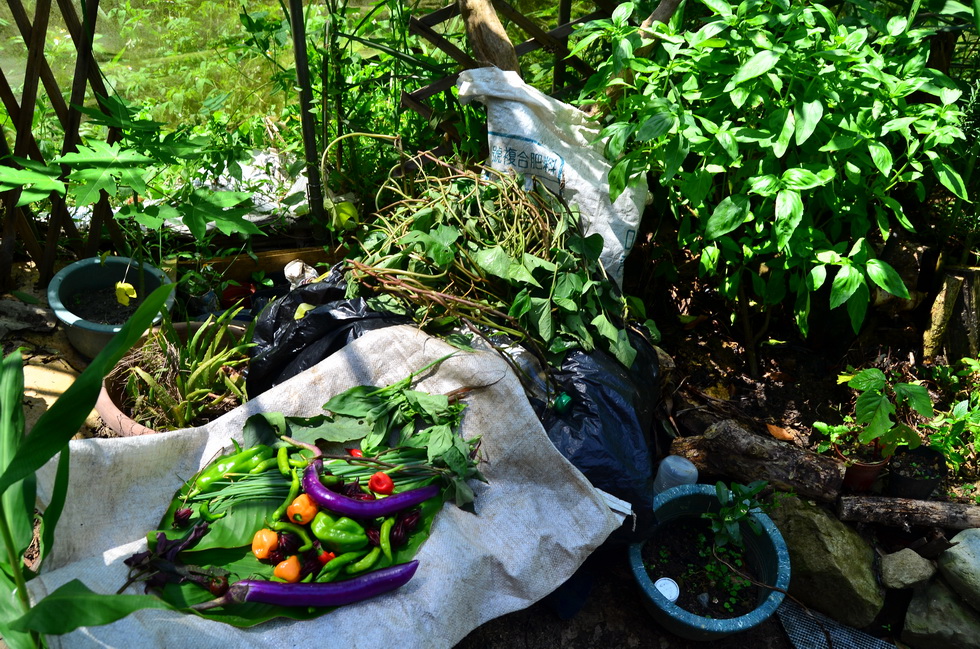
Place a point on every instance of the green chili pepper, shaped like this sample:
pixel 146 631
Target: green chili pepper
pixel 293 492
pixel 241 462
pixel 364 564
pixel 332 569
pixel 385 537
pixel 282 459
pixel 204 509
pixel 283 526
pixel 338 534
pixel 263 466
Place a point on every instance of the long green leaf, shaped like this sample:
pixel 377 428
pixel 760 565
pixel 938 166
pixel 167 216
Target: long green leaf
pixel 8 613
pixel 63 419
pixel 59 493
pixel 17 501
pixel 74 605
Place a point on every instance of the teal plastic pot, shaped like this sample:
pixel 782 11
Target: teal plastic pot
pixel 767 556
pixel 93 274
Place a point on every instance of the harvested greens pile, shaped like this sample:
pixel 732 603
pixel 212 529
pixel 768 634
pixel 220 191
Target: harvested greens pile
pixel 474 247
pixel 301 520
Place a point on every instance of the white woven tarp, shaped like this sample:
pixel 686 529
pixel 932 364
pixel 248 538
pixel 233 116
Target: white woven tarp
pixel 535 523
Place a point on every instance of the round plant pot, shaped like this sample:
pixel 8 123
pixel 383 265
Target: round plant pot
pixel 108 406
pixel 859 476
pixel 766 554
pixel 94 274
pixel 915 473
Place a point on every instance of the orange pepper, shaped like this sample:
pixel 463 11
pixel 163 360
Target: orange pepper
pixel 288 570
pixel 302 509
pixel 264 542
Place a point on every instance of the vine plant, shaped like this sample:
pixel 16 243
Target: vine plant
pixel 781 135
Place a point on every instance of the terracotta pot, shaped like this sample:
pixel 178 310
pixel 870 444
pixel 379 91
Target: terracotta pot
pixel 860 476
pixel 111 395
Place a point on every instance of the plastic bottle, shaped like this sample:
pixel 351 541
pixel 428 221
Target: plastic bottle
pixel 674 470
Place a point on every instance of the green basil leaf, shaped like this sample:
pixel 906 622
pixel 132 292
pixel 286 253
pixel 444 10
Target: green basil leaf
pixel 758 64
pixel 727 216
pixel 766 185
pixel 789 213
pixel 808 115
pixel 655 126
pixel 800 179
pixel 845 283
pixel 950 179
pixel 881 156
pixel 887 278
pixel 785 134
pixel 720 7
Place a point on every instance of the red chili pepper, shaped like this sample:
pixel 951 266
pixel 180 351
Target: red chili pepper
pixel 381 483
pixel 326 557
pixel 355 452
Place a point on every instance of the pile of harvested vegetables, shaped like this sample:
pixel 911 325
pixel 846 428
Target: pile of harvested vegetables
pixel 300 520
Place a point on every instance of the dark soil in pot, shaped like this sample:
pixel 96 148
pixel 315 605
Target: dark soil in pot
pixel 683 550
pixel 102 307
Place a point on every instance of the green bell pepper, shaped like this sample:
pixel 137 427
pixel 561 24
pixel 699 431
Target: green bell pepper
pixel 338 534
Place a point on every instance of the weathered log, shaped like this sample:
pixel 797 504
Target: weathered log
pixel 487 36
pixel 907 513
pixel 728 449
pixel 954 328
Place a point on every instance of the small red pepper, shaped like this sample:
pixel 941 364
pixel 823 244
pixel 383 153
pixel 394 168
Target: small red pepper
pixel 326 557
pixel 355 452
pixel 381 483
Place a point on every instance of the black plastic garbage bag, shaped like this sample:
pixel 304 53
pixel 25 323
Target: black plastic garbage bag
pixel 285 346
pixel 606 431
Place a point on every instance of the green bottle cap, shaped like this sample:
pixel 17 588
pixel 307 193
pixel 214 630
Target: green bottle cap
pixel 562 403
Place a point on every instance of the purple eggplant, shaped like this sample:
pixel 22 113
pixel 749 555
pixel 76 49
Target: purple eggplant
pixel 336 593
pixel 342 504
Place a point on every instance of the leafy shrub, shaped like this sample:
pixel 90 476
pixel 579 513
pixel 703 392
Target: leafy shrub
pixel 781 136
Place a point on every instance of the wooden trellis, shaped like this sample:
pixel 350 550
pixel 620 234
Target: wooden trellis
pixel 20 224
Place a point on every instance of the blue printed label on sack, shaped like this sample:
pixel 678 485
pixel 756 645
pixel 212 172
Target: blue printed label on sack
pixel 529 157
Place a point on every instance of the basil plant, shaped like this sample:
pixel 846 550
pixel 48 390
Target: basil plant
pixel 780 134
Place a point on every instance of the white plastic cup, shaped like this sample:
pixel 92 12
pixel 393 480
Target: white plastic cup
pixel 674 470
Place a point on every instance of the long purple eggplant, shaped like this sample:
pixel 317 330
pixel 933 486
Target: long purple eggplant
pixel 341 504
pixel 336 593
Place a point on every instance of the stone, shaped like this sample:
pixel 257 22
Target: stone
pixel 938 619
pixel 905 569
pixel 960 566
pixel 832 567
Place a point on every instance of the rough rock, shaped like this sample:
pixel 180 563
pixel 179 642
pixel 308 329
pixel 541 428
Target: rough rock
pixel 938 619
pixel 960 566
pixel 832 566
pixel 905 569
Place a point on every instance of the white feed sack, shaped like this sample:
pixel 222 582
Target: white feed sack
pixel 535 523
pixel 536 135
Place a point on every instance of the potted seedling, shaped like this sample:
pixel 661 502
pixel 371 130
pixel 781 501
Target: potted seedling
pixel 180 375
pixel 868 438
pixel 733 564
pixel 93 297
pixel 915 473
